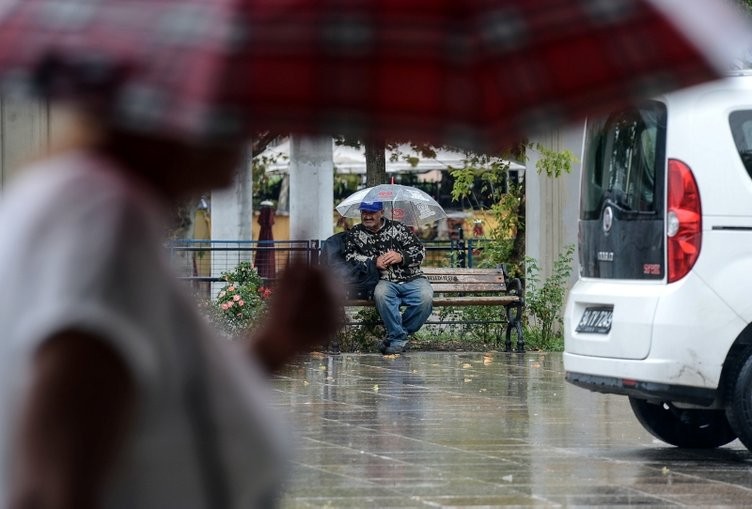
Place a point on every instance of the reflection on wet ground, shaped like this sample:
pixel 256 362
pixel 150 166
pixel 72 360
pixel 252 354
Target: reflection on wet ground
pixel 483 429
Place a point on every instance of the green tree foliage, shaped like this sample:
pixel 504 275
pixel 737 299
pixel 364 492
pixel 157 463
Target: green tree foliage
pixel 554 162
pixel 505 242
pixel 544 299
pixel 265 186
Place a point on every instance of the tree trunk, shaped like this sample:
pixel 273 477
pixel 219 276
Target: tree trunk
pixel 375 163
pixel 518 247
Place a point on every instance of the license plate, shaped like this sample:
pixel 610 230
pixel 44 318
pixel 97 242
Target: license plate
pixel 596 320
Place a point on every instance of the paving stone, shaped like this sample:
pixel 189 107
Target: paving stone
pixel 488 429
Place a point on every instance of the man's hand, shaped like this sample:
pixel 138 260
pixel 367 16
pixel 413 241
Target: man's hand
pixel 306 310
pixel 389 258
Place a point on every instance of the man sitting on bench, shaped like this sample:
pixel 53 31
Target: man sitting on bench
pixel 398 254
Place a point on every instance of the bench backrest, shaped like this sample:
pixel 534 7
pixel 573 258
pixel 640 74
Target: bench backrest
pixel 460 280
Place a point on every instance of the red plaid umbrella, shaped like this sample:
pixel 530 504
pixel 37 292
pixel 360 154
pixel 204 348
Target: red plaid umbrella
pixel 473 73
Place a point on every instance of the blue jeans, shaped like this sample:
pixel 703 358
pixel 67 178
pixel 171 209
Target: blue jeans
pixel 417 298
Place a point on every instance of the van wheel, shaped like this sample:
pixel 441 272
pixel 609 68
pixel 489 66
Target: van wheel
pixel 739 397
pixel 691 429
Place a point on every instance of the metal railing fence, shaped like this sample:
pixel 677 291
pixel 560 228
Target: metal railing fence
pixel 202 262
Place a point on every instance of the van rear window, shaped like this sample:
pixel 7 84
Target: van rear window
pixel 741 130
pixel 624 153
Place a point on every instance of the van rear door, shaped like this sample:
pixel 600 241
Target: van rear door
pixel 621 227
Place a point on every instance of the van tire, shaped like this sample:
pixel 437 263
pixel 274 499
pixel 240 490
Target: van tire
pixel 686 428
pixel 739 397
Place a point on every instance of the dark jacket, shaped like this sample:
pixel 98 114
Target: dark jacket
pixel 362 245
pixel 358 278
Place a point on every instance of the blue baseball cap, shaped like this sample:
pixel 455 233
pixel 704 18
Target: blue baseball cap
pixel 374 206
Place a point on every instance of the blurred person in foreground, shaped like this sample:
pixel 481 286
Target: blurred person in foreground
pixel 398 254
pixel 114 392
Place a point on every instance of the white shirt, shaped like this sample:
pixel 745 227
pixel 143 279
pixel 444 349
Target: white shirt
pixel 81 248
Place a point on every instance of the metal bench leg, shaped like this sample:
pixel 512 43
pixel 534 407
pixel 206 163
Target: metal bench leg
pixel 514 322
pixel 520 336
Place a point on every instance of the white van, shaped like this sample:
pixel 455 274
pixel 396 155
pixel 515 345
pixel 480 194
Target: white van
pixel 662 309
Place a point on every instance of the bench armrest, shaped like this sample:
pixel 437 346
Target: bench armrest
pixel 514 287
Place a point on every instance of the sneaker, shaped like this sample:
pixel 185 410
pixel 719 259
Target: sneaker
pixel 393 349
pixel 383 346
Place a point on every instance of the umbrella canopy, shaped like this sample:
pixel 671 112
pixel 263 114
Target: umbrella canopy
pixel 476 74
pixel 406 204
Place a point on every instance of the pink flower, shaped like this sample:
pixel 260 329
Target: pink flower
pixel 236 297
pixel 241 303
pixel 225 306
pixel 231 288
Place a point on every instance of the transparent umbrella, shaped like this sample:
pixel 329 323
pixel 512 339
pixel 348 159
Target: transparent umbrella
pixel 405 204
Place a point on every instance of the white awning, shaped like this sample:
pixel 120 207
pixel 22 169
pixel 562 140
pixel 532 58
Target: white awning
pixel 353 160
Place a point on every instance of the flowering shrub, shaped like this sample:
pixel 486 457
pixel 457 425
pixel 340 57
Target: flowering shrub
pixel 242 301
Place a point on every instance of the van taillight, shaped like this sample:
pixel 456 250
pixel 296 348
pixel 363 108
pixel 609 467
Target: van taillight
pixel 683 220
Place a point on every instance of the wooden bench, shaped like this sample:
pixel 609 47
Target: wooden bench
pixel 476 287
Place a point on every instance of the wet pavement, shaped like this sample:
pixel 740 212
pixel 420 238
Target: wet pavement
pixel 490 429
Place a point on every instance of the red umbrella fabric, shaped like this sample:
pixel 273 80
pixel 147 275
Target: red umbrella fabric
pixel 264 261
pixel 476 74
